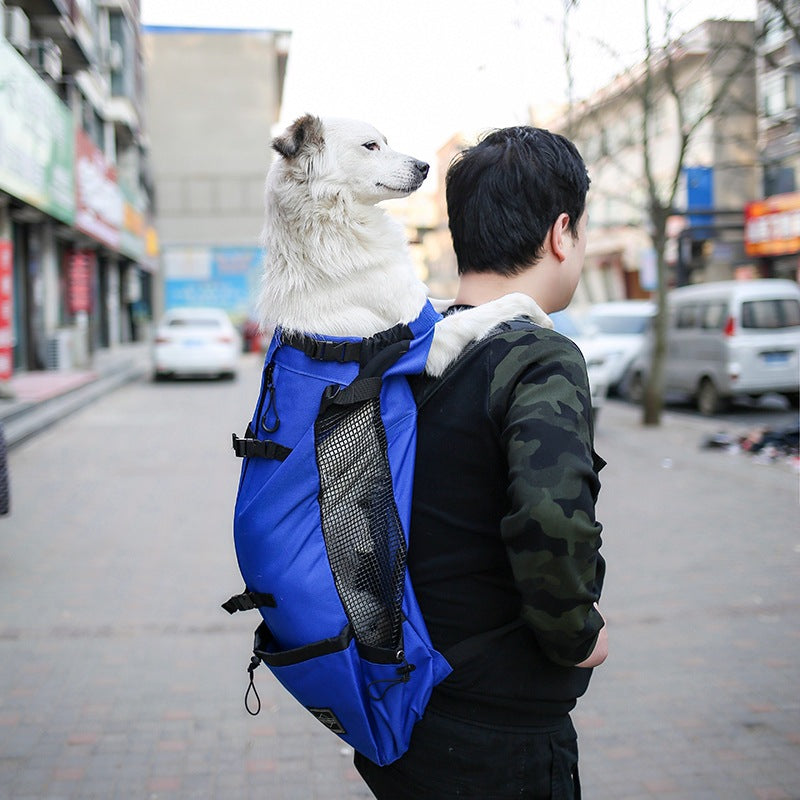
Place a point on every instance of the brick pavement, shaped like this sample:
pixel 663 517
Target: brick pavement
pixel 122 679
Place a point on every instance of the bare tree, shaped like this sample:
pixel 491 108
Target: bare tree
pixel 662 198
pixel 665 84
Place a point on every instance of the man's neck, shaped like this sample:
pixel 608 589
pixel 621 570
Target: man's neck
pixel 476 288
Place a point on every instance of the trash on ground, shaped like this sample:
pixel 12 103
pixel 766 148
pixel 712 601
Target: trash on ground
pixel 765 444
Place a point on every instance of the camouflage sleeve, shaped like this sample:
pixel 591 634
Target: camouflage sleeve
pixel 540 399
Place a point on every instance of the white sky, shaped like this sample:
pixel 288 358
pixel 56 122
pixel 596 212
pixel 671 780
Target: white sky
pixel 422 70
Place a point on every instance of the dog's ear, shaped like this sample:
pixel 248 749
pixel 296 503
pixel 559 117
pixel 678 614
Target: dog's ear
pixel 304 133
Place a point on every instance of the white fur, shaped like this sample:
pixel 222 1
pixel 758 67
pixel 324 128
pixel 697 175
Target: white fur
pixel 339 265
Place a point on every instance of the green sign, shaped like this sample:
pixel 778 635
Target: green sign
pixel 37 139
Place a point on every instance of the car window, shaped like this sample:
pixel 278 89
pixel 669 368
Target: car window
pixel 713 315
pixel 686 316
pixel 771 314
pixel 564 324
pixel 624 324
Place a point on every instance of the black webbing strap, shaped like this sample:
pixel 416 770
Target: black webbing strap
pixel 246 601
pixel 323 349
pixel 256 448
pixel 359 391
pixel 362 351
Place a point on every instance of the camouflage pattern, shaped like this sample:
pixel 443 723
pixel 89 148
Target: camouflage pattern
pixel 540 402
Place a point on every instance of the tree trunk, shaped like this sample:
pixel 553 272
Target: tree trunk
pixel 654 388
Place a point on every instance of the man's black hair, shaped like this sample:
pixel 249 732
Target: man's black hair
pixel 505 193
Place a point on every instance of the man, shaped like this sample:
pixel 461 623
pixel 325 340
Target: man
pixel 504 544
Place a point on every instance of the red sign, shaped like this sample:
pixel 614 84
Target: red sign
pixel 80 268
pixel 772 226
pixel 100 210
pixel 6 309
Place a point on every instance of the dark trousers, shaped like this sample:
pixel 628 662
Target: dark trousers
pixel 453 758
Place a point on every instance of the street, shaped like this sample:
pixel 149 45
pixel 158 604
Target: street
pixel 122 677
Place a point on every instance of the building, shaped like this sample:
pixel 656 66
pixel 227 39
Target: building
pixel 214 97
pixel 711 70
pixel 75 270
pixel 773 223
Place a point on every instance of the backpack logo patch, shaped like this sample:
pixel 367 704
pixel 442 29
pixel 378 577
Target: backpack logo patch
pixel 328 719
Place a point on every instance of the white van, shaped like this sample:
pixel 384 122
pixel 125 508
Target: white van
pixel 730 339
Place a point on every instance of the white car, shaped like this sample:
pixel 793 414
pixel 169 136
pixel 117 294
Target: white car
pixel 596 363
pixel 196 341
pixel 618 331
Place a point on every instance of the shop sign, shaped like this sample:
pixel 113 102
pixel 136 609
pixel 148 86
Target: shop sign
pixel 132 235
pixel 6 310
pixel 80 269
pixel 100 206
pixel 37 143
pixel 772 226
pixel 223 277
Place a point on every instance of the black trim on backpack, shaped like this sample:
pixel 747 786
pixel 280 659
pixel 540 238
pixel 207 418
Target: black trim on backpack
pixel 247 601
pixel 256 448
pixel 263 638
pixel 363 351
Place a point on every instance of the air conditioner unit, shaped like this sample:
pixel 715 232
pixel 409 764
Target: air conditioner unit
pixel 45 58
pixel 58 350
pixel 18 28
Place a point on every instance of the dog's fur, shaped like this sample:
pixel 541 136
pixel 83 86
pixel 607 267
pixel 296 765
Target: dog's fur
pixel 336 263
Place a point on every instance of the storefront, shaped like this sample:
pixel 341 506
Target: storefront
pixel 37 144
pixel 772 235
pixel 72 241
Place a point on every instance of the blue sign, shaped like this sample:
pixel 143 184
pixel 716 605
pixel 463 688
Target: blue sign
pixel 218 277
pixel 700 197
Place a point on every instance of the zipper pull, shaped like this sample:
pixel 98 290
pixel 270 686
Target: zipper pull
pixel 270 390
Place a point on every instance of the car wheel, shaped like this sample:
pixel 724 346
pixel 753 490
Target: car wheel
pixel 634 388
pixel 709 401
pixel 793 398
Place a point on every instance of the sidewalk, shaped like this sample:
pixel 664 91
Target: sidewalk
pixel 40 398
pixel 114 687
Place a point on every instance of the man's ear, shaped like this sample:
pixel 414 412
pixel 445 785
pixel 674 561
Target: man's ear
pixel 558 237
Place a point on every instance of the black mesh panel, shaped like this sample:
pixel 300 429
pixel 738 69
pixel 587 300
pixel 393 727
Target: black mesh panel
pixel 360 524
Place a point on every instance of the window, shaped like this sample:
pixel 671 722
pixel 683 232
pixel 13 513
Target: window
pixel 771 314
pixel 774 28
pixel 713 316
pixel 686 316
pixel 776 90
pixel 122 72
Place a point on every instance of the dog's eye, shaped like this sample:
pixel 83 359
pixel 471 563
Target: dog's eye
pixel 371 145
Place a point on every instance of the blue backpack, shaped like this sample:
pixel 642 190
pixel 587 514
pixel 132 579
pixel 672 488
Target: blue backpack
pixel 321 533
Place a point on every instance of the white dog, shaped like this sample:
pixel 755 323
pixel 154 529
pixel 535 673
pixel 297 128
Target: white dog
pixel 336 263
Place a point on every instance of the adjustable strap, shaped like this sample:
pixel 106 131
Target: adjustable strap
pixel 256 448
pixel 323 349
pixel 362 351
pixel 246 601
pixel 359 391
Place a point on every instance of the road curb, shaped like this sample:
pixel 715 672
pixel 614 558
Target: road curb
pixel 30 420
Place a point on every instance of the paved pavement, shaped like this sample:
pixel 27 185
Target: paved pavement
pixel 32 400
pixel 699 698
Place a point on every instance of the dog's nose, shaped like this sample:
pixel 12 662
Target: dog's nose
pixel 422 167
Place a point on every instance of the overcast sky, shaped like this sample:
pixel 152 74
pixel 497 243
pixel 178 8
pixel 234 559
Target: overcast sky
pixel 421 70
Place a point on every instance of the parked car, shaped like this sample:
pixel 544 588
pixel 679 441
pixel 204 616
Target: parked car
pixel 619 330
pixel 596 363
pixel 196 341
pixel 729 339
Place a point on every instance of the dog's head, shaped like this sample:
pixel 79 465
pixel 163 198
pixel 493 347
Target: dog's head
pixel 346 157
